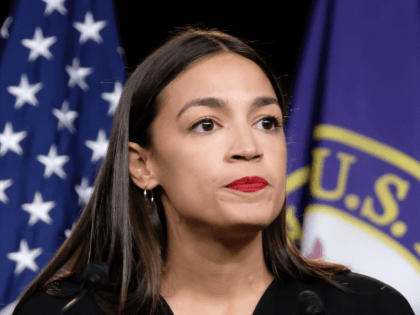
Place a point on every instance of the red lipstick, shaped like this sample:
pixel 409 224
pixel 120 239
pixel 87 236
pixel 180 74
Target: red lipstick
pixel 248 184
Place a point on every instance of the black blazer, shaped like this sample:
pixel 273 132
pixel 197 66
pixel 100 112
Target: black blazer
pixel 367 296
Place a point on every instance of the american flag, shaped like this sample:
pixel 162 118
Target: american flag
pixel 61 76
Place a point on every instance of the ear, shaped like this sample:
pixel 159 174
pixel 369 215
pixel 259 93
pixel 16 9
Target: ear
pixel 139 162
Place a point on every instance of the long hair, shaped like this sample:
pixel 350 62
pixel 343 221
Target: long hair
pixel 116 226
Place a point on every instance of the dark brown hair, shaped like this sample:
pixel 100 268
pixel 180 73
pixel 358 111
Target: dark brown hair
pixel 115 225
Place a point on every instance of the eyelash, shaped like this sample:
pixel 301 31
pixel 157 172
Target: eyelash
pixel 275 120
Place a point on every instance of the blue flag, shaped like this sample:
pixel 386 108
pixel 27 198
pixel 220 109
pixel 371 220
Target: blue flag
pixel 354 140
pixel 61 76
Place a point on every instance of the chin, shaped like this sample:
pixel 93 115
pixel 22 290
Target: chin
pixel 253 215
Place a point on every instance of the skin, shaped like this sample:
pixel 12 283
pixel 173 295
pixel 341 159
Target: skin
pixel 215 257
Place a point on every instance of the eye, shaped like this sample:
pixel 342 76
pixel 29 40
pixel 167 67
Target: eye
pixel 269 121
pixel 207 125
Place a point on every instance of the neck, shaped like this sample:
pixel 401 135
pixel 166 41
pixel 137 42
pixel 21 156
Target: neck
pixel 210 268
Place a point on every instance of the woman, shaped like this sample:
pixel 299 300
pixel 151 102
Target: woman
pixel 173 214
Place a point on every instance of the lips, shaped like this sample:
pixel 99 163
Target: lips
pixel 248 184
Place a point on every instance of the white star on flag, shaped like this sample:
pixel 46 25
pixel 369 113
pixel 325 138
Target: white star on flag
pixel 99 146
pixel 25 258
pixel 78 74
pixel 10 140
pixel 4 31
pixel 90 29
pixel 39 210
pixel 53 163
pixel 113 98
pixel 84 191
pixel 120 51
pixel 4 184
pixel 65 117
pixel 67 232
pixel 25 92
pixel 51 5
pixel 39 45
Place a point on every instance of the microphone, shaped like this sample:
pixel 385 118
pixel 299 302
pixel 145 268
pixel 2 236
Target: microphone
pixel 310 304
pixel 94 276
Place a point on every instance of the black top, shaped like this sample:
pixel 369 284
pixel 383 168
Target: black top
pixel 366 296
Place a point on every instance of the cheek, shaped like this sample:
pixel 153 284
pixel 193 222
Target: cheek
pixel 188 177
pixel 279 164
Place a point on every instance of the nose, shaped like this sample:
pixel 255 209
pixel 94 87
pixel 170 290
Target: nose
pixel 244 144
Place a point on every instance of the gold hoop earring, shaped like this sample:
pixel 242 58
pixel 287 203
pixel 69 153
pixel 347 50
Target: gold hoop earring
pixel 149 203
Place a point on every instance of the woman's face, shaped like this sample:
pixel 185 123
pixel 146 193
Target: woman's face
pixel 194 162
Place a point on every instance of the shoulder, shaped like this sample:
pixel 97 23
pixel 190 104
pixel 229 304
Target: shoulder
pixel 364 295
pixel 44 304
pixel 362 284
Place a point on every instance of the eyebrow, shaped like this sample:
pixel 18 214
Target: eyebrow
pixel 215 102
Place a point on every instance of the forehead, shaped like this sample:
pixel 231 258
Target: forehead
pixel 228 75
